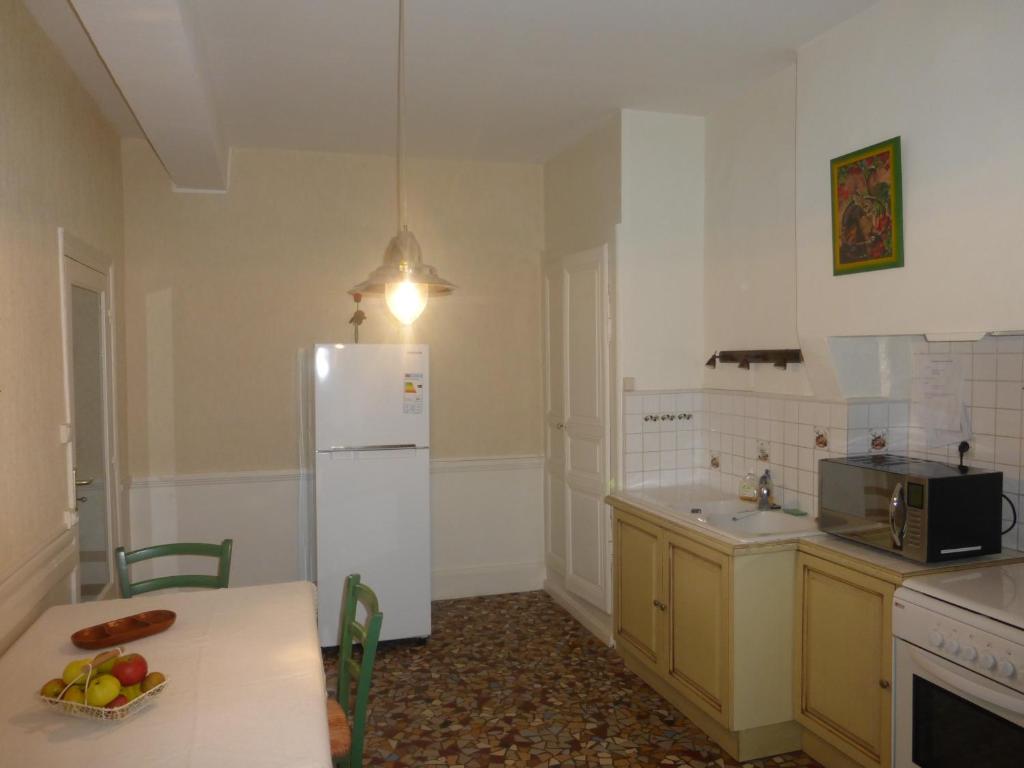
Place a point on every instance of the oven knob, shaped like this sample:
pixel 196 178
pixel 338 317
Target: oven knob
pixel 952 645
pixel 970 653
pixel 935 638
pixel 1005 668
pixel 988 661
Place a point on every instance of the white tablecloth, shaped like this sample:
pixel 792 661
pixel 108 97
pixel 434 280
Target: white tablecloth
pixel 246 685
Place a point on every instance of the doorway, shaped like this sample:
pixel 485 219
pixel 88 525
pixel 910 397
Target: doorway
pixel 92 482
pixel 576 344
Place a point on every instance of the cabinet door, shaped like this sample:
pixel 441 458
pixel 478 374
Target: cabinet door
pixel 843 658
pixel 699 643
pixel 637 586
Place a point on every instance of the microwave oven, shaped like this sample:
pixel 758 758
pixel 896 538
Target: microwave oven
pixel 921 510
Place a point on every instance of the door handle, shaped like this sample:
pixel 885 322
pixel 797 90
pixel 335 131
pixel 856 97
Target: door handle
pixel 559 425
pixel 80 483
pixel 660 605
pixel 896 502
pixel 81 499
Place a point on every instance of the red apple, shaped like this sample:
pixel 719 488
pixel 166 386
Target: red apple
pixel 130 669
pixel 119 701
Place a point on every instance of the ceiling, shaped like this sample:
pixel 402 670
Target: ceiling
pixel 489 79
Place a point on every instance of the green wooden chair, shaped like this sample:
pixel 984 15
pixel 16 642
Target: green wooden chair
pixel 221 551
pixel 346 717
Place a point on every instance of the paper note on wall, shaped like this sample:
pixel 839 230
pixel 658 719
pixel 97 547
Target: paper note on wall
pixel 939 394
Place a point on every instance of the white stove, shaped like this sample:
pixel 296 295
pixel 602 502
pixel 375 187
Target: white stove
pixel 958 660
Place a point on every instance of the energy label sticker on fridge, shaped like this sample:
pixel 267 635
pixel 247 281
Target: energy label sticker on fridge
pixel 412 393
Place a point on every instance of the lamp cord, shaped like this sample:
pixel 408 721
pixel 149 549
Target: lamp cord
pixel 399 133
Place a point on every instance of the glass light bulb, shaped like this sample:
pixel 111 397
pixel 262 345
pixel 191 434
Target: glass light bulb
pixel 406 300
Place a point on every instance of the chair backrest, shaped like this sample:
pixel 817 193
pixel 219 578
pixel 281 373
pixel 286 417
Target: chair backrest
pixel 124 559
pixel 349 669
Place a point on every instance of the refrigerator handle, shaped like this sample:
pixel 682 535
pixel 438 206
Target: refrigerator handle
pixel 357 448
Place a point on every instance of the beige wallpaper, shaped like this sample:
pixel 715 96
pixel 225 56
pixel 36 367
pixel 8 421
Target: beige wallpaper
pixel 59 166
pixel 224 289
pixel 583 191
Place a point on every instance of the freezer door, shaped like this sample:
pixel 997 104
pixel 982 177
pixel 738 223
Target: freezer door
pixel 371 395
pixel 373 518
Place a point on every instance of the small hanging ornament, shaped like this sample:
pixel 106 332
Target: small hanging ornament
pixel 358 316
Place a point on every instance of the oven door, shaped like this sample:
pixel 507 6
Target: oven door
pixel 946 715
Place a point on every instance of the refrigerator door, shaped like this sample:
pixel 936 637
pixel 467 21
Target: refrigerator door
pixel 369 395
pixel 373 518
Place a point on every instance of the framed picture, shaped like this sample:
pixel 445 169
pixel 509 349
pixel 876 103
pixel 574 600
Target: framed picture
pixel 867 209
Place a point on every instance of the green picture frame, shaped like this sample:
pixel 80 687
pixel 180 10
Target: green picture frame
pixel 867 209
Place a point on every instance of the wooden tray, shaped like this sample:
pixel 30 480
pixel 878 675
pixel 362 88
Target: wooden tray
pixel 121 631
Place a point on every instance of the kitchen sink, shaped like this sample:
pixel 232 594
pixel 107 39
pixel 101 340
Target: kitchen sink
pixel 747 524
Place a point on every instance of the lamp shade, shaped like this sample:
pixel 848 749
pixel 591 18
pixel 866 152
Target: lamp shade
pixel 403 263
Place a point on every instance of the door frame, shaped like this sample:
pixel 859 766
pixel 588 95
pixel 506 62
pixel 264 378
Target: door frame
pixel 79 264
pixel 554 416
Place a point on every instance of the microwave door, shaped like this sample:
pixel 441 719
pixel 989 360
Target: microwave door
pixel 856 503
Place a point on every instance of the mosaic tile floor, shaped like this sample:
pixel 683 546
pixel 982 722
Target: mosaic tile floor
pixel 514 680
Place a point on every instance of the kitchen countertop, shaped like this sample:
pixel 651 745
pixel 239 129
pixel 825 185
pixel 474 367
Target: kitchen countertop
pixel 673 505
pixel 890 567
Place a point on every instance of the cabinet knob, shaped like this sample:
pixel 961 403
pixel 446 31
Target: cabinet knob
pixel 883 684
pixel 559 425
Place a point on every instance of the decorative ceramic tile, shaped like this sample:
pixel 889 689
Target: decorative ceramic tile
pixel 514 680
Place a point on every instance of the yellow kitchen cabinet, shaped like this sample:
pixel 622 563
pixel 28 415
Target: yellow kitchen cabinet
pixel 843 660
pixel 708 624
pixel 637 587
pixel 698 602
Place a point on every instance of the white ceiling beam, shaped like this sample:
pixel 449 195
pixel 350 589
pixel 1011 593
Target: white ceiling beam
pixel 153 53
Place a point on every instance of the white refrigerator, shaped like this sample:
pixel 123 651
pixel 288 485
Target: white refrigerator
pixel 372 490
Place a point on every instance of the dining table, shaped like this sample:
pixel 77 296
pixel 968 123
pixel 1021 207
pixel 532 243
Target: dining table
pixel 245 685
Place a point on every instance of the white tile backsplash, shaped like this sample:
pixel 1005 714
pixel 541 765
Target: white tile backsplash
pixel 670 438
pixel 995 383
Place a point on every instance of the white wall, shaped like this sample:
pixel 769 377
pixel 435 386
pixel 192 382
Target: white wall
pixel 750 238
pixel 945 75
pixel 660 254
pixel 59 167
pixel 942 74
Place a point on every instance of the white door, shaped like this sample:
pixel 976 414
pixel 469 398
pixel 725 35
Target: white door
pixel 576 480
pixel 585 316
pixel 554 421
pixel 89 404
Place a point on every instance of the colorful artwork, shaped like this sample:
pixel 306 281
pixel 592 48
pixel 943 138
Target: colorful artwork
pixel 867 212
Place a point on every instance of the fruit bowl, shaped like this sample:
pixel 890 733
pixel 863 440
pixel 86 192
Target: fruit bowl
pixel 74 709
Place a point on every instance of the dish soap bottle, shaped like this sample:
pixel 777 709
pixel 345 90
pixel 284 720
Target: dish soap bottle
pixel 748 486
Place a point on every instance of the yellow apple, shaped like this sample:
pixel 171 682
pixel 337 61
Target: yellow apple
pixel 74 694
pixel 104 662
pixel 102 690
pixel 132 692
pixel 75 670
pixel 152 680
pixel 53 688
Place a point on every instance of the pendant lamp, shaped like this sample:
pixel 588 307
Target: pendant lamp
pixel 403 279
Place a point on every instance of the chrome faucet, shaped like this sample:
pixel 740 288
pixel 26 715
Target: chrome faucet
pixel 764 491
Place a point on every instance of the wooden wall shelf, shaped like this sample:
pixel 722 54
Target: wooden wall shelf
pixel 780 358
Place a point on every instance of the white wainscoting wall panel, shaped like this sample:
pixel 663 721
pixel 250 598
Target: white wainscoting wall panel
pixel 488 530
pixel 487 533
pixel 41 581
